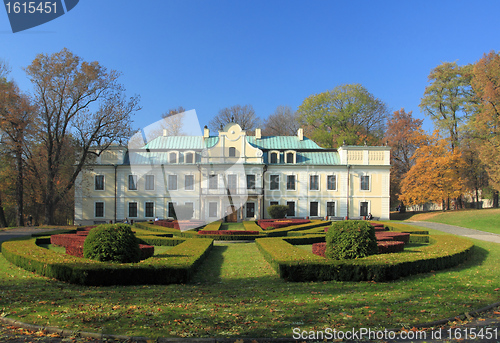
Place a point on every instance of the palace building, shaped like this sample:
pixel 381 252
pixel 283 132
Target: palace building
pixel 234 176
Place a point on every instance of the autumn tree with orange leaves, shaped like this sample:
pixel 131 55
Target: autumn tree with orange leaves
pixel 436 175
pixel 486 120
pixel 404 135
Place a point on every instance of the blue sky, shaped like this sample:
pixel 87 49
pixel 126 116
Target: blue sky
pixel 207 55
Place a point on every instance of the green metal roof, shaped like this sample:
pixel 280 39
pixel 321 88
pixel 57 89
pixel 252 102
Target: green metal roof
pixel 181 143
pixel 282 143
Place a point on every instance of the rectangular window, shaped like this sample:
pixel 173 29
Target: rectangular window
pixel 250 209
pixel 189 182
pixel 150 182
pixel 232 182
pixel 172 157
pixel 291 208
pixel 365 183
pixel 330 209
pixel 171 210
pixel 212 182
pixel 274 157
pixel 149 209
pixel 132 209
pixel 212 209
pixel 314 182
pixel 250 181
pixel 363 208
pixel 172 182
pixel 272 203
pixel 132 182
pixel 290 182
pixel 189 157
pixel 331 182
pixel 313 208
pixel 99 183
pixel 99 209
pixel 275 182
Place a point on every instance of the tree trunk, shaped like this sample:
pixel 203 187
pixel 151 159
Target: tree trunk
pixel 3 221
pixel 495 199
pixel 19 187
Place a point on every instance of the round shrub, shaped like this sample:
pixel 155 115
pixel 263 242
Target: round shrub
pixel 350 239
pixel 277 211
pixel 112 242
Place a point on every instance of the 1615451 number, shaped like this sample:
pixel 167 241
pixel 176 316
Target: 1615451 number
pixel 27 7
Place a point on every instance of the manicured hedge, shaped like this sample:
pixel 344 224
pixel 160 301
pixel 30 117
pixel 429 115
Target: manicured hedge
pixel 160 241
pixel 177 267
pixel 252 226
pixel 280 223
pixel 387 247
pixel 213 226
pixel 393 236
pixel 295 264
pixel 164 230
pixel 407 228
pixel 228 232
pixel 284 231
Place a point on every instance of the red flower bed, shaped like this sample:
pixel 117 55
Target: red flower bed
pixel 386 247
pixel 393 236
pixel 228 232
pixel 319 249
pixel 74 244
pixel 279 223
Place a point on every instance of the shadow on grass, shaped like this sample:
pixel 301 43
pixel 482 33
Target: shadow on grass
pixel 210 269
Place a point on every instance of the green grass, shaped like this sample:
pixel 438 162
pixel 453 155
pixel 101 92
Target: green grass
pixel 484 220
pixel 236 293
pixel 232 226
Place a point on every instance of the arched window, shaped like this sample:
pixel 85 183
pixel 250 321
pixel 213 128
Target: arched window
pixel 189 157
pixel 232 152
pixel 290 157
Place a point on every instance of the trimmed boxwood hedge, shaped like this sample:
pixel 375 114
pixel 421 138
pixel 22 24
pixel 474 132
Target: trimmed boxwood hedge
pixel 177 267
pixel 213 226
pixel 295 264
pixel 165 230
pixel 284 231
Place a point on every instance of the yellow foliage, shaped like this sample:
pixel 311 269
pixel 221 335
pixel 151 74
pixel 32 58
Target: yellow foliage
pixel 435 176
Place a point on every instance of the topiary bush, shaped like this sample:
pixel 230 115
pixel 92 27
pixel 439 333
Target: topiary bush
pixel 112 242
pixel 277 211
pixel 350 239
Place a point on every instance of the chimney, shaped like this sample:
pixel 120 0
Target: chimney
pixel 164 132
pixel 206 132
pixel 258 134
pixel 300 134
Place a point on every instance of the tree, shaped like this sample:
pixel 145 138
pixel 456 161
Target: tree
pixel 283 122
pixel 436 175
pixel 16 117
pixel 242 115
pixel 486 120
pixel 446 98
pixel 404 135
pixel 82 104
pixel 347 113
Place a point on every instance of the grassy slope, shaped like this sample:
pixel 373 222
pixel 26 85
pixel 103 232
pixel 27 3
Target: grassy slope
pixel 236 293
pixel 485 220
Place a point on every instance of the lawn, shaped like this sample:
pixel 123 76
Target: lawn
pixel 484 220
pixel 236 293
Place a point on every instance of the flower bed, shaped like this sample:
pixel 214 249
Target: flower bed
pixel 319 249
pixel 387 247
pixel 228 232
pixel 393 236
pixel 73 242
pixel 280 223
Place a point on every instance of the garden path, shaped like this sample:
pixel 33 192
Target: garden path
pixel 457 230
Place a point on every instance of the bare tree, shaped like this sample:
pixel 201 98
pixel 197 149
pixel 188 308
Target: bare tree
pixel 283 122
pixel 242 115
pixel 81 102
